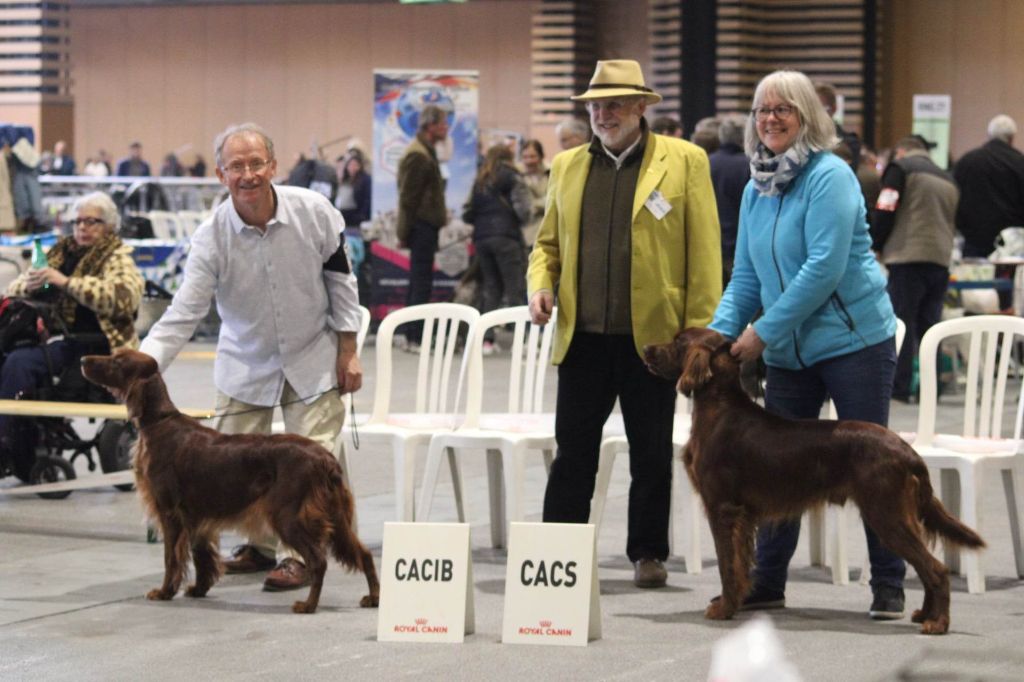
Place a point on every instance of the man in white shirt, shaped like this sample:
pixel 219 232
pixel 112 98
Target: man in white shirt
pixel 275 258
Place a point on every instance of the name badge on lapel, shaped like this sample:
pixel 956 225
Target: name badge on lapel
pixel 658 205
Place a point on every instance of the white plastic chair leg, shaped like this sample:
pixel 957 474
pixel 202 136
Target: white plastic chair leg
pixel 971 516
pixel 515 483
pixel 405 475
pixel 431 473
pixel 605 464
pixel 455 466
pixel 496 494
pixel 685 498
pixel 816 529
pixel 949 493
pixel 549 457
pixel 1013 486
pixel 839 554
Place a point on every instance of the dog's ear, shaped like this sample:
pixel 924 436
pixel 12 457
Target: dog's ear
pixel 145 395
pixel 696 369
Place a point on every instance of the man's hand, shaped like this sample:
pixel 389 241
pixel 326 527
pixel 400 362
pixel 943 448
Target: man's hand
pixel 347 365
pixel 749 346
pixel 541 305
pixel 37 277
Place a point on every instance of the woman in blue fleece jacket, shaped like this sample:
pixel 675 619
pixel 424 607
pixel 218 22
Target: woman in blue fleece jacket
pixel 803 255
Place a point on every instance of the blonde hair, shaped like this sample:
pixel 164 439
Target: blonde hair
pixel 817 130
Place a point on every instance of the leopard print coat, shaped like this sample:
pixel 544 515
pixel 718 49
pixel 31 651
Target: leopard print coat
pixel 105 280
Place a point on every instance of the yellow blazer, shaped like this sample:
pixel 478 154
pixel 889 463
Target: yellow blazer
pixel 676 262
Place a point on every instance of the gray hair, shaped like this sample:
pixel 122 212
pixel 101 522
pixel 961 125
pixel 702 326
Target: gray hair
pixel 241 129
pixel 1002 127
pixel 574 125
pixel 731 129
pixel 817 130
pixel 105 205
pixel 431 115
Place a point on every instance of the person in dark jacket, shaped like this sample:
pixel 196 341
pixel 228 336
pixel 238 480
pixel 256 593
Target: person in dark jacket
pixel 730 171
pixel 497 208
pixel 913 229
pixel 991 180
pixel 354 185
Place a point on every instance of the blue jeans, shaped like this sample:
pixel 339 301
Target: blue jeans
pixel 860 384
pixel 26 369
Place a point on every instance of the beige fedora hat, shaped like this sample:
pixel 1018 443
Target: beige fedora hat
pixel 618 78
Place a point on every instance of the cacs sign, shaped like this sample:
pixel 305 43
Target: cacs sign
pixel 551 586
pixel 426 591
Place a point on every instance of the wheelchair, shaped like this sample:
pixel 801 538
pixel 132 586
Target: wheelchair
pixel 44 449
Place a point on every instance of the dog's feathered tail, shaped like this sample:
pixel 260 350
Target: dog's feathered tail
pixel 340 511
pixel 937 521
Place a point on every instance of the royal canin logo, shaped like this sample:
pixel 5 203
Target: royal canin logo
pixel 545 623
pixel 421 621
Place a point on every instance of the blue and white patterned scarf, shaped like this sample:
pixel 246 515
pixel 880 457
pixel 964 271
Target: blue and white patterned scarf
pixel 772 172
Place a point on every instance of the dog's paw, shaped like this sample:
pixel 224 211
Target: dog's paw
pixel 937 626
pixel 196 592
pixel 159 594
pixel 918 616
pixel 303 607
pixel 370 601
pixel 716 610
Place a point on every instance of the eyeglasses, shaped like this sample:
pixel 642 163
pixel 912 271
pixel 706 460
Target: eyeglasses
pixel 781 111
pixel 239 167
pixel 87 222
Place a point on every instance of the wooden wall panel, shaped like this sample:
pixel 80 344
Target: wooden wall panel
pixel 968 49
pixel 174 76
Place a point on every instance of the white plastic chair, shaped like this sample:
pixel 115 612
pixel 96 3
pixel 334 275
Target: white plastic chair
pixel 962 460
pixel 684 497
pixel 188 221
pixel 821 527
pixel 435 385
pixel 507 436
pixel 165 225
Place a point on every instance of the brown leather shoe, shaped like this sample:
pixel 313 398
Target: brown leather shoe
pixel 290 574
pixel 649 573
pixel 247 559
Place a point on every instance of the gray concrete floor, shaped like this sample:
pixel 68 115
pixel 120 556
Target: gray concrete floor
pixel 73 574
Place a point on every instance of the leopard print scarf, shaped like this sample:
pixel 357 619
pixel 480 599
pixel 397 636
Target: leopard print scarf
pixel 91 263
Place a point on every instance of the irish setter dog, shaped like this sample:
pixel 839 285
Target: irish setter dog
pixel 196 481
pixel 753 467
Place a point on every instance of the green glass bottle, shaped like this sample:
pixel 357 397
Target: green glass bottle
pixel 39 258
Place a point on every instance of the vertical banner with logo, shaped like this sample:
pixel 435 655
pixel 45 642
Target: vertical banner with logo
pixel 426 583
pixel 552 595
pixel 932 115
pixel 399 96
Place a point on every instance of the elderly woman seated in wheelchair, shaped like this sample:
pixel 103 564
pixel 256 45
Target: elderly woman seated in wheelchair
pixel 93 289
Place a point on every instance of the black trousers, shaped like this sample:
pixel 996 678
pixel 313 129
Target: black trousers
pixel 916 291
pixel 598 369
pixel 422 247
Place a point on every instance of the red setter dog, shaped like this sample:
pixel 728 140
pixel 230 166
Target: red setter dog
pixel 753 467
pixel 196 481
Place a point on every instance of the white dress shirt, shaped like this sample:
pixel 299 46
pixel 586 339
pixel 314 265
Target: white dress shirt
pixel 279 308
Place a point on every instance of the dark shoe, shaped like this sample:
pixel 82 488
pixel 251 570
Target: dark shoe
pixel 247 559
pixel 290 574
pixel 649 573
pixel 761 600
pixel 888 603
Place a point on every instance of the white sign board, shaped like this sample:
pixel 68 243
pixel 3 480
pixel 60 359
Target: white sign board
pixel 932 114
pixel 426 585
pixel 551 586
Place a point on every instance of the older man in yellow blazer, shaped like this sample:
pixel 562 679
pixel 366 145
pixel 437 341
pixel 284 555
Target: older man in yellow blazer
pixel 630 241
